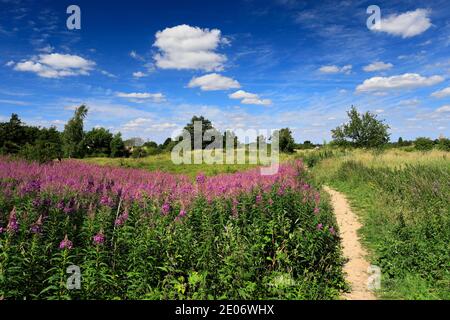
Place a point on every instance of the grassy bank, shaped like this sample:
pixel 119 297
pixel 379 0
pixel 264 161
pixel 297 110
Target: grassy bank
pixel 403 199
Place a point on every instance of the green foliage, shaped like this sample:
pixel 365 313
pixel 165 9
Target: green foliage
pixel 362 131
pixel 73 135
pixel 286 141
pixel 423 144
pixel 406 224
pixel 139 152
pixel 117 146
pixel 98 142
pixel 206 125
pixel 444 144
pixel 14 135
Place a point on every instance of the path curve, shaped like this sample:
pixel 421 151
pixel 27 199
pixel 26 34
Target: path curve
pixel 356 266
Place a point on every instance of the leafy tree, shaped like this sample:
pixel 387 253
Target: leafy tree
pixel 362 131
pixel 73 136
pixel 423 144
pixel 444 144
pixel 98 142
pixel 117 146
pixel 14 135
pixel 206 125
pixel 151 144
pixel 168 144
pixel 138 152
pixel 46 148
pixel 286 141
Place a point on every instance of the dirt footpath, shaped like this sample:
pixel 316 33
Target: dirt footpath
pixel 356 266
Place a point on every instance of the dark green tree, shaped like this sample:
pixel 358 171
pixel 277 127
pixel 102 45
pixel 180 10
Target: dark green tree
pixel 14 135
pixel 73 135
pixel 286 140
pixel 98 142
pixel 117 146
pixel 423 144
pixel 46 148
pixel 362 131
pixel 205 125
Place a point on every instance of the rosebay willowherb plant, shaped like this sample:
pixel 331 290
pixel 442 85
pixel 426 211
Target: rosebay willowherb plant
pixel 151 235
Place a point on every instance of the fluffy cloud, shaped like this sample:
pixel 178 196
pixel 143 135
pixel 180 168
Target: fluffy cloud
pixel 406 25
pixel 139 74
pixel 443 109
pixel 147 125
pixel 249 98
pixel 56 65
pixel 378 66
pixel 335 69
pixel 214 81
pixel 186 47
pixel 404 81
pixel 441 93
pixel 142 97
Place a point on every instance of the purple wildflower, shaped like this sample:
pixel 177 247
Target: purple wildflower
pixel 61 205
pixel 165 208
pixel 319 226
pixel 121 219
pixel 99 238
pixel 182 213
pixel 65 244
pixel 13 224
pixel 316 210
pixel 2 230
pixel 37 202
pixel 36 228
pixel 106 201
pixel 259 198
pixel 332 231
pixel 201 178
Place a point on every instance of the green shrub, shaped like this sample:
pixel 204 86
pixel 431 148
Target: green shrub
pixel 423 144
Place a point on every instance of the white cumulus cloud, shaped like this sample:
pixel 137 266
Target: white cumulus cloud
pixel 249 98
pixel 441 93
pixel 443 109
pixel 56 65
pixel 142 96
pixel 139 74
pixel 406 25
pixel 378 66
pixel 404 81
pixel 335 69
pixel 214 81
pixel 186 47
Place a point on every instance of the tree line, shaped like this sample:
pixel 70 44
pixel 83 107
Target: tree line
pixel 46 144
pixel 363 130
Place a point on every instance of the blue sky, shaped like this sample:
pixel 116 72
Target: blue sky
pixel 146 67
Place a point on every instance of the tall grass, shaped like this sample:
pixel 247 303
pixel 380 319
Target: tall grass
pixel 404 201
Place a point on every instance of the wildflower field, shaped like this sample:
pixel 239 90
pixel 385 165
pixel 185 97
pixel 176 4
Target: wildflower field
pixel 136 234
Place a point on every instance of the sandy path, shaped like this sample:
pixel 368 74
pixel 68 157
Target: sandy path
pixel 357 265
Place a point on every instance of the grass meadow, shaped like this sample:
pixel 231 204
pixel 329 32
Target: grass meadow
pixel 403 200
